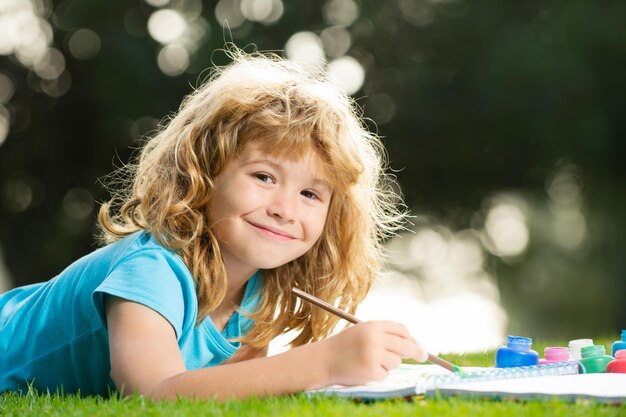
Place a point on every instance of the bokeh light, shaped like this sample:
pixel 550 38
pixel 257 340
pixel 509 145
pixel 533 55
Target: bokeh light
pixel 166 25
pixel 84 44
pixel 180 30
pixel 336 41
pixel 418 13
pixel 380 107
pixel 27 35
pixel 173 59
pixel 306 49
pixel 6 282
pixel 142 127
pixel 340 12
pixel 506 231
pixel 7 88
pixel 427 249
pixel 347 73
pixel 157 3
pixel 58 86
pixel 17 195
pixel 228 14
pixel 23 30
pixel 78 203
pixel 566 199
pixel 267 12
pixel 50 65
pixel 4 123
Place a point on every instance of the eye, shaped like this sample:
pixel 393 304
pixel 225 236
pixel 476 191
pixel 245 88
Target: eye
pixel 310 194
pixel 263 177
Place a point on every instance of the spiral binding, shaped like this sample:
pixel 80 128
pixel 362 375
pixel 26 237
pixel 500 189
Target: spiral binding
pixel 432 382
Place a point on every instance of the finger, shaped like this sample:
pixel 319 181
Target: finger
pixel 420 355
pixel 404 348
pixel 380 374
pixel 397 329
pixel 390 361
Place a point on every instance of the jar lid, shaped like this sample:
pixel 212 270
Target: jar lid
pixel 519 342
pixel 556 353
pixel 592 351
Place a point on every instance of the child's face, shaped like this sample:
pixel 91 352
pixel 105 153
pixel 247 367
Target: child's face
pixel 268 210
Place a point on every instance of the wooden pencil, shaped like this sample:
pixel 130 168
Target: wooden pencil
pixel 349 317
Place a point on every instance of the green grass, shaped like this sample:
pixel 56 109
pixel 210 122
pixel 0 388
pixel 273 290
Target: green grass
pixel 34 404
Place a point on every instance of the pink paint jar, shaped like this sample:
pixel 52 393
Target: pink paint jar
pixel 554 354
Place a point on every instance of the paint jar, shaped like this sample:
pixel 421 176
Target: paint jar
pixel 594 360
pixel 517 352
pixel 575 346
pixel 554 354
pixel 618 365
pixel 619 344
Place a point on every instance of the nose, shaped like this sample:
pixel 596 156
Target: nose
pixel 283 206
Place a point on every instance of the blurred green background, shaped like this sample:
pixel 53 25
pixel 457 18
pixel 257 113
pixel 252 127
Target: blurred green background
pixel 504 121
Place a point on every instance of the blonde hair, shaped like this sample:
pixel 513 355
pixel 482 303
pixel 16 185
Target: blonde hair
pixel 265 99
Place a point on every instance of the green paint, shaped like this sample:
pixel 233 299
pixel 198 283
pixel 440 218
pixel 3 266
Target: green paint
pixel 594 359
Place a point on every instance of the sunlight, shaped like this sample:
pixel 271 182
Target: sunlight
pixel 463 322
pixel 460 323
pixel 439 289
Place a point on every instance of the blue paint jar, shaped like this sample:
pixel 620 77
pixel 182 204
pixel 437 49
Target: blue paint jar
pixel 517 352
pixel 619 344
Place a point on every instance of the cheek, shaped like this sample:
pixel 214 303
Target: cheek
pixel 318 221
pixel 230 201
pixel 217 209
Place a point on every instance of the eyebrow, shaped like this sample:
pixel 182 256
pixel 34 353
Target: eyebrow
pixel 278 166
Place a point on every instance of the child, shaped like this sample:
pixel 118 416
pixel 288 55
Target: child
pixel 264 180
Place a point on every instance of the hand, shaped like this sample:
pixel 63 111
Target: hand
pixel 368 351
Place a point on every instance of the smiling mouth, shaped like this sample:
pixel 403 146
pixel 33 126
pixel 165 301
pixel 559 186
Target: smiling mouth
pixel 273 233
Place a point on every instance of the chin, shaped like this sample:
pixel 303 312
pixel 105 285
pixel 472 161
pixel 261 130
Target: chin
pixel 266 264
pixel 273 265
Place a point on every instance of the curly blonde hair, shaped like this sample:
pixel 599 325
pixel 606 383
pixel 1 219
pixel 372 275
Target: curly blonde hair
pixel 286 110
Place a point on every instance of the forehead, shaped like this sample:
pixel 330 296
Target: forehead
pixel 255 152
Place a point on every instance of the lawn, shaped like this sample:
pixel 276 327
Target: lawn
pixel 300 406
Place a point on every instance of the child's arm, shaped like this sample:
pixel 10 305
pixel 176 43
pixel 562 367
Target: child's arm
pixel 246 352
pixel 145 358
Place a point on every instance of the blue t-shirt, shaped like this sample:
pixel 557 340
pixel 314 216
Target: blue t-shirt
pixel 54 334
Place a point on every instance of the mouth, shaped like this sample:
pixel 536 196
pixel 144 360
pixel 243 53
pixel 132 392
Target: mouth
pixel 272 232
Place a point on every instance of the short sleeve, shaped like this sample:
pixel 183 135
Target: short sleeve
pixel 152 278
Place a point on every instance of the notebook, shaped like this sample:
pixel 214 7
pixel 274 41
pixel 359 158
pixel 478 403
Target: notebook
pixel 530 382
pixel 605 388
